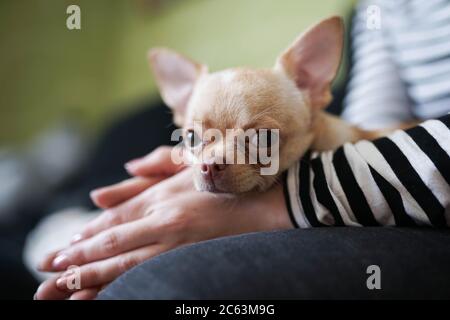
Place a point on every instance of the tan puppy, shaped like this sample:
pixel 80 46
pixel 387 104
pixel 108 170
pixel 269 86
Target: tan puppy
pixel 289 97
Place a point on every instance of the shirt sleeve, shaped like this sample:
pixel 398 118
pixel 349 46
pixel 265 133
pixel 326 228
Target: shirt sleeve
pixel 399 180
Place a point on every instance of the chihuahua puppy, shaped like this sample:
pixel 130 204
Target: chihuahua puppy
pixel 288 99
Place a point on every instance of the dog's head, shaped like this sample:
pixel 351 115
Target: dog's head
pixel 273 110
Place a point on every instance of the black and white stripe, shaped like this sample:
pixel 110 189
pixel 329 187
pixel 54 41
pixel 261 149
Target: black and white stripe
pixel 402 179
pixel 399 72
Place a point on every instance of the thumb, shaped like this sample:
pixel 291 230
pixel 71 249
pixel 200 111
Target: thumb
pixel 111 196
pixel 157 163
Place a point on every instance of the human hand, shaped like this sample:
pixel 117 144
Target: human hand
pixel 146 171
pixel 164 216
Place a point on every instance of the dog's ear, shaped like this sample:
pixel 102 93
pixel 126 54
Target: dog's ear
pixel 175 76
pixel 312 61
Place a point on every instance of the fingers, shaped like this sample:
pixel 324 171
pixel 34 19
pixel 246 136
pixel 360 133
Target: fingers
pixel 85 294
pixel 46 263
pixel 136 207
pixel 123 228
pixel 49 291
pixel 111 196
pixel 128 211
pixel 84 283
pixel 157 163
pixel 153 168
pixel 111 242
pixel 96 274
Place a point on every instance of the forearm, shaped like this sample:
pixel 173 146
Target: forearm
pixel 400 180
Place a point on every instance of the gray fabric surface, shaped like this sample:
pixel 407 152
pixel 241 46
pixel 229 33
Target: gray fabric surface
pixel 321 263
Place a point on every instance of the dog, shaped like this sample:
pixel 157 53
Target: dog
pixel 288 99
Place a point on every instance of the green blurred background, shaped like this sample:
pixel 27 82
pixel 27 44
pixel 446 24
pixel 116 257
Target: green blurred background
pixel 93 75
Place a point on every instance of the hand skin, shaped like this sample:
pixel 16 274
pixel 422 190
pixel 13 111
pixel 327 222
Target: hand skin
pixel 146 216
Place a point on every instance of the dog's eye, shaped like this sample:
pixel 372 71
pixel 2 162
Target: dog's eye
pixel 192 139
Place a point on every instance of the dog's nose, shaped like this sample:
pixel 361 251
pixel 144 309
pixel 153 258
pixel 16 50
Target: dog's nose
pixel 212 170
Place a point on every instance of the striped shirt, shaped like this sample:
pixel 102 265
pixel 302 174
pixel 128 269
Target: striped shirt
pixel 400 71
pixel 402 180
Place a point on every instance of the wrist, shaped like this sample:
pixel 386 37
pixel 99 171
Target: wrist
pixel 272 205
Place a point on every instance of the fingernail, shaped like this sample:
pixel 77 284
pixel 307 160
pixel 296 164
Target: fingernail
pixel 61 283
pixel 36 294
pixel 61 262
pixel 94 194
pixel 132 165
pixel 40 266
pixel 133 161
pixel 77 238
